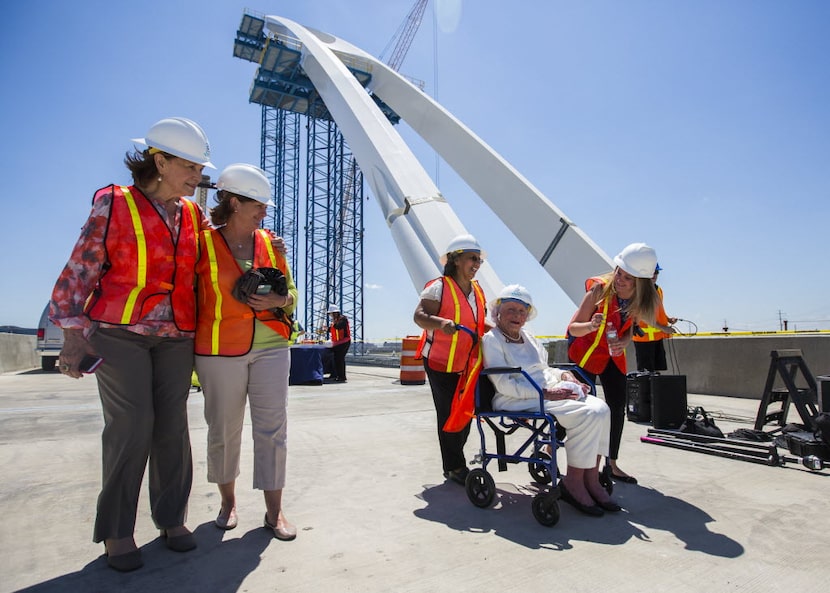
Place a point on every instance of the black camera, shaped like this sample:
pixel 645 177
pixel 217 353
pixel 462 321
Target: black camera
pixel 260 281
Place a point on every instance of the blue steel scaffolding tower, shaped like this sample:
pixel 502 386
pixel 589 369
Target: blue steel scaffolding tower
pixel 332 272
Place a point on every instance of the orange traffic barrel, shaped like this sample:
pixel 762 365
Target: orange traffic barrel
pixel 412 369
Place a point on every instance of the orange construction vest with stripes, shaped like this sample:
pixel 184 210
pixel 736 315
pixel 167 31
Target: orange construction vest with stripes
pixel 144 265
pixel 225 326
pixel 652 334
pixel 590 351
pixel 449 354
pixel 340 336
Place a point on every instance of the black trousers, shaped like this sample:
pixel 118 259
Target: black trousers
pixel 651 356
pixel 339 353
pixel 451 443
pixel 614 387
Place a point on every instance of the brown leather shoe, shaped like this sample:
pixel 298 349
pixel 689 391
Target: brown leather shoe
pixel 283 530
pixel 126 562
pixel 179 543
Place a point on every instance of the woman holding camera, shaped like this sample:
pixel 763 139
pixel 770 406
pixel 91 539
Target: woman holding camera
pixel 245 295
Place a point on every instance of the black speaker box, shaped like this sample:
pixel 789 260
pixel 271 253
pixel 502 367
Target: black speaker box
pixel 638 397
pixel 668 400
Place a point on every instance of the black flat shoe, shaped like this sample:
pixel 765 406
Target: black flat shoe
pixel 610 506
pixel 592 510
pixel 126 562
pixel 459 476
pixel 624 479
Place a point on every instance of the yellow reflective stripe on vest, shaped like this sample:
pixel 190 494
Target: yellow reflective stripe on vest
pixel 191 208
pixel 141 257
pixel 456 319
pixel 651 332
pixel 268 247
pixel 214 283
pixel 600 331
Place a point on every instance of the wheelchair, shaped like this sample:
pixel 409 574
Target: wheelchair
pixel 544 435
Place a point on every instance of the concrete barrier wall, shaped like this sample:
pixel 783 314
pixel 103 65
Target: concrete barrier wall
pixel 17 352
pixel 735 366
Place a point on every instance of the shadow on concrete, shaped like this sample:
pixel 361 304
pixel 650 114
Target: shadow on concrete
pixel 218 565
pixel 511 518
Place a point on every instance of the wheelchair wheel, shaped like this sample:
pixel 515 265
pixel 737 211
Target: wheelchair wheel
pixel 546 508
pixel 539 471
pixel 480 487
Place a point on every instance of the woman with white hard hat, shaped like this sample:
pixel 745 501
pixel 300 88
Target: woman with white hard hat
pixel 126 295
pixel 584 416
pixel 246 296
pixel 602 327
pixel 452 357
pixel 341 339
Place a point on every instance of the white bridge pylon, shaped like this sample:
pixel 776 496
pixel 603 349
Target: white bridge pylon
pixel 421 221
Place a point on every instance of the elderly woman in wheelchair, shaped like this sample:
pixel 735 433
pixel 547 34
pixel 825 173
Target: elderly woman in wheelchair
pixel 586 418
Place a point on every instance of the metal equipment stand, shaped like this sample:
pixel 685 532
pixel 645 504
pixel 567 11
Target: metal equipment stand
pixel 787 363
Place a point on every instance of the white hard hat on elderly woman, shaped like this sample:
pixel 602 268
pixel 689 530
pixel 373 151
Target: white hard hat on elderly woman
pixel 513 293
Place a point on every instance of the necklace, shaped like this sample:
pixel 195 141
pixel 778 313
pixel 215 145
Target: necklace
pixel 511 339
pixel 235 243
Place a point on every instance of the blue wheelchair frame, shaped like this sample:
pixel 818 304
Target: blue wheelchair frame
pixel 480 486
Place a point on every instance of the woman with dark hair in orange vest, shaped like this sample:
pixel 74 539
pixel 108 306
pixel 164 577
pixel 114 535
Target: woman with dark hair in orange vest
pixel 451 357
pixel 648 342
pixel 126 295
pixel 601 329
pixel 242 343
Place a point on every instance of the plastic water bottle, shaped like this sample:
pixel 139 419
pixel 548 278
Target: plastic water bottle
pixel 611 336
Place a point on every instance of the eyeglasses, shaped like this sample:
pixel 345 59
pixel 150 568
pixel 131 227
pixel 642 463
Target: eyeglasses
pixel 475 258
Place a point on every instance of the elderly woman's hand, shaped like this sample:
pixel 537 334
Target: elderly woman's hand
pixel 559 393
pixel 75 347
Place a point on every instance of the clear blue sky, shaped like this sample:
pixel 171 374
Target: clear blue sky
pixel 701 127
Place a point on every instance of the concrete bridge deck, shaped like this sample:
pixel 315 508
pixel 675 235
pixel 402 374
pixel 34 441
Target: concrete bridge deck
pixel 375 515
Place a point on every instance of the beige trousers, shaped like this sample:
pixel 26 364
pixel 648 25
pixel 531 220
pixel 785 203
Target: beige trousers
pixel 260 378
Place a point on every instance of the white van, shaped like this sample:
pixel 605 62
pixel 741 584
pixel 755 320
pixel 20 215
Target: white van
pixel 49 341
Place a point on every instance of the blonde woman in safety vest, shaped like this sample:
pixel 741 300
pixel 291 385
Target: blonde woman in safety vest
pixel 451 357
pixel 601 329
pixel 242 344
pixel 126 296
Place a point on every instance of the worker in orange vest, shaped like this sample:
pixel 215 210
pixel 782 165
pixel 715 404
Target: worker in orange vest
pixel 648 342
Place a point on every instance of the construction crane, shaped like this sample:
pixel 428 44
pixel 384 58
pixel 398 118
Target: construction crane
pixel 404 35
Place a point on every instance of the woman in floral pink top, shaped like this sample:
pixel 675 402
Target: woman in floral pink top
pixel 127 295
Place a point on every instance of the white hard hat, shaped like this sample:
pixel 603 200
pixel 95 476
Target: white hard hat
pixel 246 180
pixel 513 292
pixel 461 244
pixel 334 309
pixel 638 259
pixel 180 137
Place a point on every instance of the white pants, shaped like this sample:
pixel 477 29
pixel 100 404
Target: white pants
pixel 588 424
pixel 261 376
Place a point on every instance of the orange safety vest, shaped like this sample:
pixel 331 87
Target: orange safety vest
pixel 340 336
pixel 652 334
pixel 225 326
pixel 143 264
pixel 448 354
pixel 457 353
pixel 590 351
